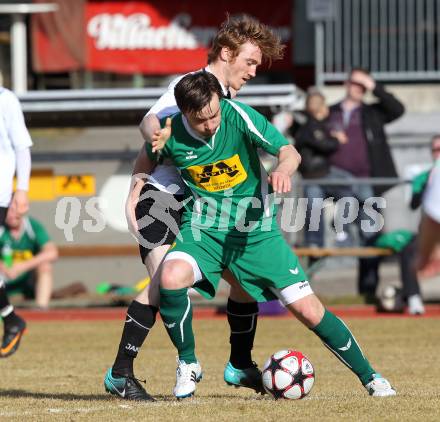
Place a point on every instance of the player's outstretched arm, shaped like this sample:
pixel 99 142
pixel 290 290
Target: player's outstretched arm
pixel 288 162
pixel 428 261
pixel 160 137
pixel 149 124
pixel 153 133
pixel 143 167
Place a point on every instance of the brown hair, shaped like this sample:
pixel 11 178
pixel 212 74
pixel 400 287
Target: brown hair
pixel 195 90
pixel 358 69
pixel 237 30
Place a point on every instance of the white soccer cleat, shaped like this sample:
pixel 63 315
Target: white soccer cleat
pixel 380 387
pixel 187 376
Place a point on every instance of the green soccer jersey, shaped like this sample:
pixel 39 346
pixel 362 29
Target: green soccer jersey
pixel 223 174
pixel 33 238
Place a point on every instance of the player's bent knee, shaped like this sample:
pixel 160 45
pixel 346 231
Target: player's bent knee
pixel 237 294
pixel 45 267
pixel 176 274
pixel 309 310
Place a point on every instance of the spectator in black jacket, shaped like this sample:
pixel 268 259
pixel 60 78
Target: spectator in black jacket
pixel 366 152
pixel 316 143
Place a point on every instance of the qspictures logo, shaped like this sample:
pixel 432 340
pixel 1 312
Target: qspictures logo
pixel 219 176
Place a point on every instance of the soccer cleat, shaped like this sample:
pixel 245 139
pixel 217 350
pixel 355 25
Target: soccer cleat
pixel 380 387
pixel 12 337
pixel 128 388
pixel 249 378
pixel 187 376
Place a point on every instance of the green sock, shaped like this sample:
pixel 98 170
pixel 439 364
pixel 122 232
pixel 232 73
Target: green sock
pixel 176 313
pixel 338 338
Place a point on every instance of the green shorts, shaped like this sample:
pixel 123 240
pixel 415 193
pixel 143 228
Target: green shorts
pixel 263 263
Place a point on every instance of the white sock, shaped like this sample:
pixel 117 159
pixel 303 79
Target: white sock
pixel 6 311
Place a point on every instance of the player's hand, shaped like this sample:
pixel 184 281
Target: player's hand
pixel 13 272
pixel 161 136
pixel 280 182
pixel 20 201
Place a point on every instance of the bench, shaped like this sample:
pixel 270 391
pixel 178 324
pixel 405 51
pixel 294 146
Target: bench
pixel 96 251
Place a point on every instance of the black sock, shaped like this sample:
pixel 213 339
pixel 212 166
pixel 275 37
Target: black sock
pixel 11 318
pixel 4 302
pixel 140 318
pixel 242 318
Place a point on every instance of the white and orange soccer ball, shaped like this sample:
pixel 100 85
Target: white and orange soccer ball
pixel 288 374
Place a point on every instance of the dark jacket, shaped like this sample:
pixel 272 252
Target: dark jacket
pixel 314 142
pixel 374 118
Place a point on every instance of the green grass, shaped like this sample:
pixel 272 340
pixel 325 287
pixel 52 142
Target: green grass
pixel 58 373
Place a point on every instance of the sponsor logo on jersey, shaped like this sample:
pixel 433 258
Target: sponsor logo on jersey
pixel 21 255
pixel 295 271
pixel 190 155
pixel 218 176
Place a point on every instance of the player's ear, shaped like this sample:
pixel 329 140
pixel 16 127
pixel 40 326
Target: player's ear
pixel 225 54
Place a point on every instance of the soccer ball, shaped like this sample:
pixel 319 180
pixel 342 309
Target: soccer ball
pixel 391 299
pixel 288 374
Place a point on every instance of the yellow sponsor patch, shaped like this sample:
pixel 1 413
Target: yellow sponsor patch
pixel 22 256
pixel 218 176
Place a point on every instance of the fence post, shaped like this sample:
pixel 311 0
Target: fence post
pixel 319 54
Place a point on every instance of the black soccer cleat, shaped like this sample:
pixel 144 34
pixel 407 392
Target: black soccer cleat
pixel 12 337
pixel 128 388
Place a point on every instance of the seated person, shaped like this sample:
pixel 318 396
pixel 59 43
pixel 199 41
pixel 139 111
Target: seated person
pixel 27 257
pixel 404 245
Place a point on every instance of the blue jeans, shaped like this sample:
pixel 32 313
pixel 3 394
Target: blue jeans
pixel 368 274
pixel 315 194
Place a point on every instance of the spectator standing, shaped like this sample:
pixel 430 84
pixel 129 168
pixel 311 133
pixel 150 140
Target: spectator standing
pixel 366 152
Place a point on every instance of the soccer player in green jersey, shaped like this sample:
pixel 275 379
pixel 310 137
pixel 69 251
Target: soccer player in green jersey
pixel 240 46
pixel 229 222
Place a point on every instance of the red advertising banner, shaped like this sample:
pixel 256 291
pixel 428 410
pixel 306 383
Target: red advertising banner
pixel 156 37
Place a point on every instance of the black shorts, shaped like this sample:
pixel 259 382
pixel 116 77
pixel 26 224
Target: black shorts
pixel 3 212
pixel 25 285
pixel 158 217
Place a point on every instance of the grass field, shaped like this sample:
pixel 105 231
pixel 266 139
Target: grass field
pixel 58 374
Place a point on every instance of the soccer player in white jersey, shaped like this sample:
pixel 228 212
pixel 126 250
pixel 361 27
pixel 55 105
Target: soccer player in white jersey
pixel 239 47
pixel 15 159
pixel 429 241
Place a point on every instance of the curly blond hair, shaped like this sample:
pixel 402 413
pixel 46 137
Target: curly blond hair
pixel 237 30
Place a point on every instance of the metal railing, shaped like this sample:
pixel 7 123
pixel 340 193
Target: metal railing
pixel 284 95
pixel 397 40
